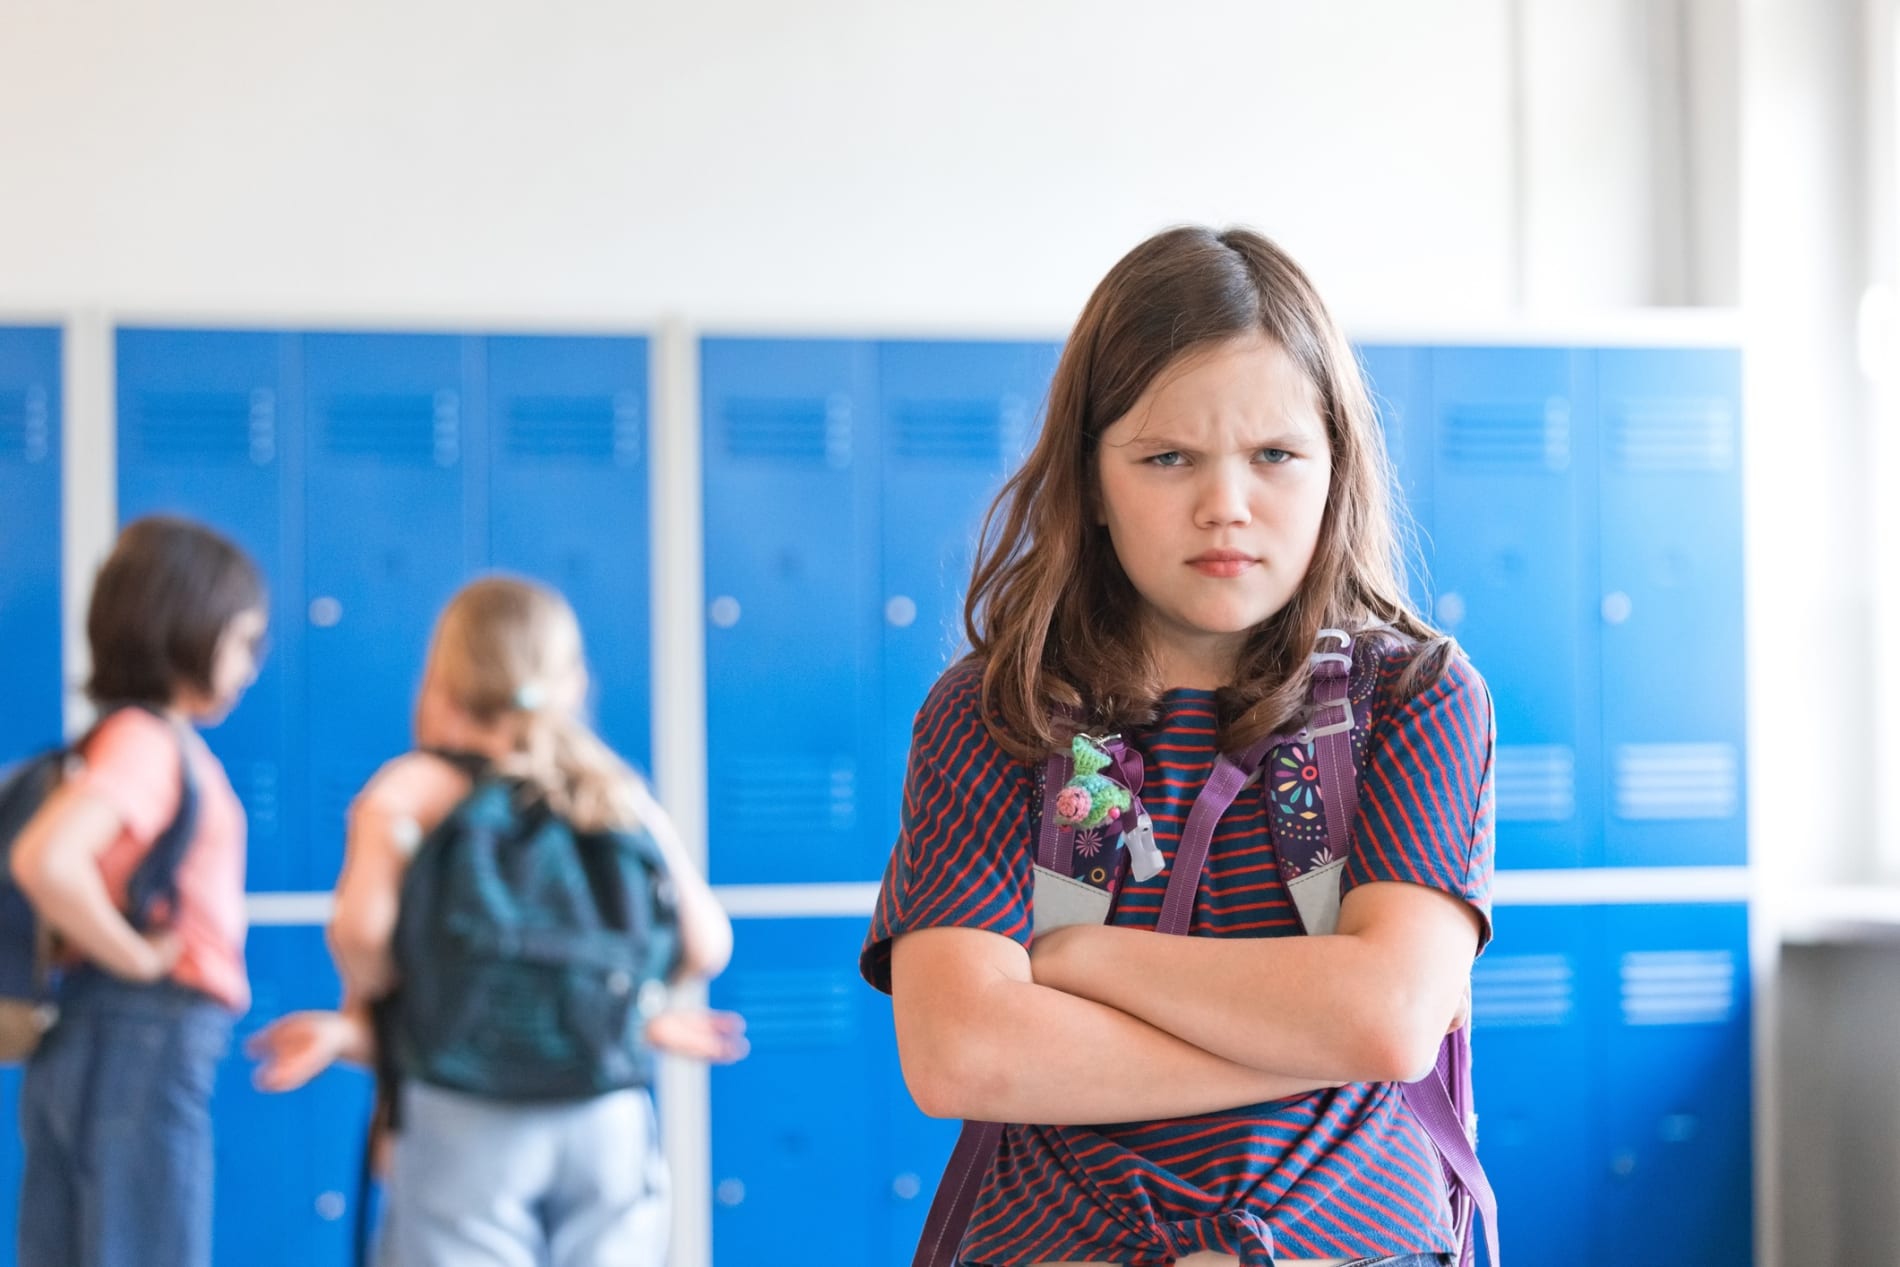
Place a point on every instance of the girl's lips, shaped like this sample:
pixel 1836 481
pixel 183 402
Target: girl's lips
pixel 1221 564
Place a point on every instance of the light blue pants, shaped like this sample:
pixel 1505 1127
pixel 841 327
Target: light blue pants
pixel 489 1182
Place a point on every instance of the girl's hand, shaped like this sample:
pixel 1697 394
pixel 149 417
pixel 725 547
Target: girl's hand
pixel 718 1038
pixel 296 1048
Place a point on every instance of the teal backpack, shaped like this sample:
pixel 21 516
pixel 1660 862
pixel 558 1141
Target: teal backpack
pixel 530 954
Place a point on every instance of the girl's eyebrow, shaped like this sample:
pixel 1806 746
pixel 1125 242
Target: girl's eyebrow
pixel 1289 438
pixel 1283 438
pixel 1156 440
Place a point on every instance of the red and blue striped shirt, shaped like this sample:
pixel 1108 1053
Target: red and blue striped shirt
pixel 1338 1173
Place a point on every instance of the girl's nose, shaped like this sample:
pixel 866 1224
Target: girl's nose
pixel 1222 500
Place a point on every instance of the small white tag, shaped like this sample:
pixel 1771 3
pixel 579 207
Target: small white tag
pixel 1316 897
pixel 1144 856
pixel 1060 901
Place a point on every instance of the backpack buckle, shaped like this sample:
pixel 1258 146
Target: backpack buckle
pixel 1341 657
pixel 1311 731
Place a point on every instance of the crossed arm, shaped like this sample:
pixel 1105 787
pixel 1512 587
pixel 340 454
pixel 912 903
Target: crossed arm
pixel 1107 1024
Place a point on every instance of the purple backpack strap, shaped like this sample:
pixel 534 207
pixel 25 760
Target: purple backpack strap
pixel 1055 844
pixel 955 1202
pixel 1190 856
pixel 1441 1101
pixel 1311 867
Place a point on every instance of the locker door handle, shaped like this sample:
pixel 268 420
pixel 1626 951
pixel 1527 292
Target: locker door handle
pixel 325 612
pixel 900 611
pixel 723 611
pixel 1616 607
pixel 331 1206
pixel 906 1187
pixel 730 1192
pixel 1450 609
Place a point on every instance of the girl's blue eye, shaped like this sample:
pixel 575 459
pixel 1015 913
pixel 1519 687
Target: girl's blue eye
pixel 1275 457
pixel 1170 458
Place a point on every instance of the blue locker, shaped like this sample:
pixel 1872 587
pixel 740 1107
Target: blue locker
pixel 1671 607
pixel 12 1159
pixel 568 503
pixel 394 522
pixel 288 1166
pixel 1399 381
pixel 1678 1077
pixel 30 533
pixel 1512 504
pixel 956 418
pixel 791 718
pixel 1537 1005
pixel 209 427
pixel 796 1132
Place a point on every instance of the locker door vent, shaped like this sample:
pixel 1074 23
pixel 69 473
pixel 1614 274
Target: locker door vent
pixel 1521 991
pixel 786 1009
pixel 26 429
pixel 1673 436
pixel 335 790
pixel 1536 783
pixel 1677 780
pixel 598 430
pixel 1678 987
pixel 1509 437
pixel 788 430
pixel 977 431
pixel 406 429
pixel 782 796
pixel 211 428
pixel 257 788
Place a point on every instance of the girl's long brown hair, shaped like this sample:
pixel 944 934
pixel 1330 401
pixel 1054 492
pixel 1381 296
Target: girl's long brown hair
pixel 1050 613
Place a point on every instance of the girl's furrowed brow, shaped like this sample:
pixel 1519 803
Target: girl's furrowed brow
pixel 1158 442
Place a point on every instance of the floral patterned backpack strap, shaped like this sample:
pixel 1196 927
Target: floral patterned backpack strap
pixel 1312 783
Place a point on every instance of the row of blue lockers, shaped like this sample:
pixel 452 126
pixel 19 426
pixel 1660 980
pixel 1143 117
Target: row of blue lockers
pixel 1611 1058
pixel 1578 507
pixel 369 476
pixel 1579 516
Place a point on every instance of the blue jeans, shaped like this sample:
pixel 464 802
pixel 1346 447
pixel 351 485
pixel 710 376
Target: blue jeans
pixel 115 1114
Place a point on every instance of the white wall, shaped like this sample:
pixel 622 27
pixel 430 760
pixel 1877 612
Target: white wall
pixel 843 161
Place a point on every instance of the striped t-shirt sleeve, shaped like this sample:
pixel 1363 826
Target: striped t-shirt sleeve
pixel 1425 798
pixel 965 847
